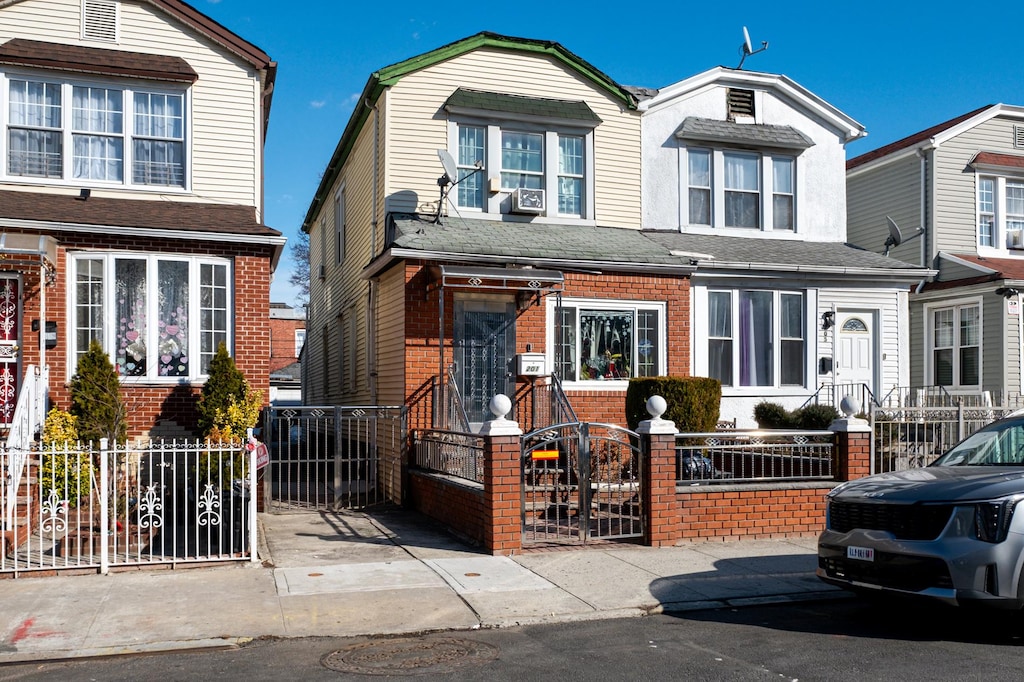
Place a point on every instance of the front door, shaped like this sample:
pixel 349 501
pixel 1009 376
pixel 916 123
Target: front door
pixel 855 362
pixel 10 331
pixel 485 341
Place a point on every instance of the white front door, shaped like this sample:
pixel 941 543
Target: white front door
pixel 855 352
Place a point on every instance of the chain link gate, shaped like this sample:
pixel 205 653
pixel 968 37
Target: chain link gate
pixel 332 457
pixel 580 482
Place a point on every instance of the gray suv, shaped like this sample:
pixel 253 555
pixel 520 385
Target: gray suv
pixel 950 531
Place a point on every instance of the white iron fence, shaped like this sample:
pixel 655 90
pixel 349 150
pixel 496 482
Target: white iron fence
pixel 165 503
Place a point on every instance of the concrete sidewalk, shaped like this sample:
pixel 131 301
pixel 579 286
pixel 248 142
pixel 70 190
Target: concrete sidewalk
pixel 347 574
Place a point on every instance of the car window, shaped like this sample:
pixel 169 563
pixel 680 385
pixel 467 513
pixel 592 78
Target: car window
pixel 999 444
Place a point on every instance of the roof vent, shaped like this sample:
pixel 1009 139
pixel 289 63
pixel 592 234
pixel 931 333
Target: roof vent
pixel 740 104
pixel 99 20
pixel 1018 137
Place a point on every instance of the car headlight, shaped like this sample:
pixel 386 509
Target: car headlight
pixel 992 518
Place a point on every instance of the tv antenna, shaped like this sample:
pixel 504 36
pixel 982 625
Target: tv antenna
pixel 448 181
pixel 746 49
pixel 896 237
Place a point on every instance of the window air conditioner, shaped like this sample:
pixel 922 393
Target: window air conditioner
pixel 1016 239
pixel 526 200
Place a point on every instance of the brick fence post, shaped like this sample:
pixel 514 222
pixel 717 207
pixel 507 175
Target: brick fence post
pixel 853 448
pixel 502 506
pixel 658 485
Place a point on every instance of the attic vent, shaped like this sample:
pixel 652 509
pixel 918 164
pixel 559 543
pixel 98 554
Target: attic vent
pixel 99 20
pixel 1018 137
pixel 740 104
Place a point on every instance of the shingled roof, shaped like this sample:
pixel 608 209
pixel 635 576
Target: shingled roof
pixel 130 213
pixel 22 52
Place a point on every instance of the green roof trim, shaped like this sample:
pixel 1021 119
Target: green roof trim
pixel 520 104
pixel 389 75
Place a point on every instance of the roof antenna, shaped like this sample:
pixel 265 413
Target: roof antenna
pixel 746 50
pixel 447 181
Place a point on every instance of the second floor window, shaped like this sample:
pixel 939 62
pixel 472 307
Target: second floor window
pixel 106 129
pixel 735 189
pixel 1000 212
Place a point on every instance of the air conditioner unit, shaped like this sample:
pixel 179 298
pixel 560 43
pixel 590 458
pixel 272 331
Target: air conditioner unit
pixel 526 200
pixel 323 272
pixel 1016 239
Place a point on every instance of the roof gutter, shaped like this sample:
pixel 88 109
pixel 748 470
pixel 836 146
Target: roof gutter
pixel 908 273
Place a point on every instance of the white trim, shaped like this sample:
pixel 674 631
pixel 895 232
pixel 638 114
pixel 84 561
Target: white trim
pixel 966 263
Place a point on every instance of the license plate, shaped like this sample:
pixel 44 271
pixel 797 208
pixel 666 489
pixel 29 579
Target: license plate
pixel 860 553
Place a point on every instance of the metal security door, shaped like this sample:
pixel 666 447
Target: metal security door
pixel 10 351
pixel 581 482
pixel 484 343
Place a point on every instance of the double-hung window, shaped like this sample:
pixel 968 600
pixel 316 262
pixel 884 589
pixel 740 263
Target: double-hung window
pixel 503 143
pixel 75 131
pixel 757 338
pixel 986 212
pixel 699 162
pixel 607 340
pixel 158 316
pixel 956 345
pixel 739 189
pixel 742 190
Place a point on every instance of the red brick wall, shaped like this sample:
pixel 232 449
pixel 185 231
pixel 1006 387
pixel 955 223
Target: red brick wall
pixel 422 362
pixel 282 342
pixel 148 405
pixel 711 512
pixel 459 507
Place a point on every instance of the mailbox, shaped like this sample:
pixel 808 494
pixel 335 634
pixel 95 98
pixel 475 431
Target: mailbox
pixel 531 365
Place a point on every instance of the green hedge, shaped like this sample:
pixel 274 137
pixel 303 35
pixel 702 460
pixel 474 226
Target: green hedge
pixel 811 418
pixel 693 402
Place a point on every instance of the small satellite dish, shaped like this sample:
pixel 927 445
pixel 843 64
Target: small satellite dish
pixel 895 237
pixel 451 171
pixel 746 49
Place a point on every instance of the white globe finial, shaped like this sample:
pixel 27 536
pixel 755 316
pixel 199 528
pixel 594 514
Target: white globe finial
pixel 656 406
pixel 500 405
pixel 849 405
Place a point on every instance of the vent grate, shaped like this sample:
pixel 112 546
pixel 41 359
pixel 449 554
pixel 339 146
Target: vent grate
pixel 99 20
pixel 1018 137
pixel 740 103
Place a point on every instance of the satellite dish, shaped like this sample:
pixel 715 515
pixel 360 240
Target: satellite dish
pixel 451 171
pixel 895 237
pixel 746 49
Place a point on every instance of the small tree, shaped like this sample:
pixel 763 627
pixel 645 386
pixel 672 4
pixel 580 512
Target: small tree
pixel 224 387
pixel 96 398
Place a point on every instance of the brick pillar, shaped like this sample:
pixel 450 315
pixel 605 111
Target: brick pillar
pixel 662 513
pixel 502 506
pixel 853 448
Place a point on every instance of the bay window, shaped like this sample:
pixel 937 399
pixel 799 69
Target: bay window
pixel 106 129
pixel 956 345
pixel 757 338
pixel 158 317
pixel 607 340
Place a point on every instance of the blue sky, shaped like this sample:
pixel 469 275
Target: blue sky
pixel 895 67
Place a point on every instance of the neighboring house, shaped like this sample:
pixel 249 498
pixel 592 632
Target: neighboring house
pixel 287 335
pixel 131 200
pixel 955 193
pixel 743 173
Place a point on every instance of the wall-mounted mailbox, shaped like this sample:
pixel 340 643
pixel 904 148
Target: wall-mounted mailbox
pixel 50 334
pixel 531 365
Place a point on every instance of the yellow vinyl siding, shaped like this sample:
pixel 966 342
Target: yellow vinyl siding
pixel 418 127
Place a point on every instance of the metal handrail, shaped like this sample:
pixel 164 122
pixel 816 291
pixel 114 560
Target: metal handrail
pixel 29 415
pixel 561 408
pixel 455 412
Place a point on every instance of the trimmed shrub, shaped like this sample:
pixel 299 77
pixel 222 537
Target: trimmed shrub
pixel 817 417
pixel 811 418
pixel 96 398
pixel 770 415
pixel 67 474
pixel 693 402
pixel 224 387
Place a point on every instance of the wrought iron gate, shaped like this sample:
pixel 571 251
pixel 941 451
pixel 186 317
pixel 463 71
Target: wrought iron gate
pixel 332 457
pixel 580 482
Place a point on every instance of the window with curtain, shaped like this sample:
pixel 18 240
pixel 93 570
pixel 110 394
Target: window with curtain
pixel 149 312
pixel 44 118
pixel 602 341
pixel 740 189
pixel 555 161
pixel 956 346
pixel 757 338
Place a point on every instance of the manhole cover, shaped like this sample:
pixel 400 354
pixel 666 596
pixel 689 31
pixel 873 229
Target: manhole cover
pixel 410 656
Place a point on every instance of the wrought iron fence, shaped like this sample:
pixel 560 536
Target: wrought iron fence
pixel 914 436
pixel 162 503
pixel 754 456
pixel 450 452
